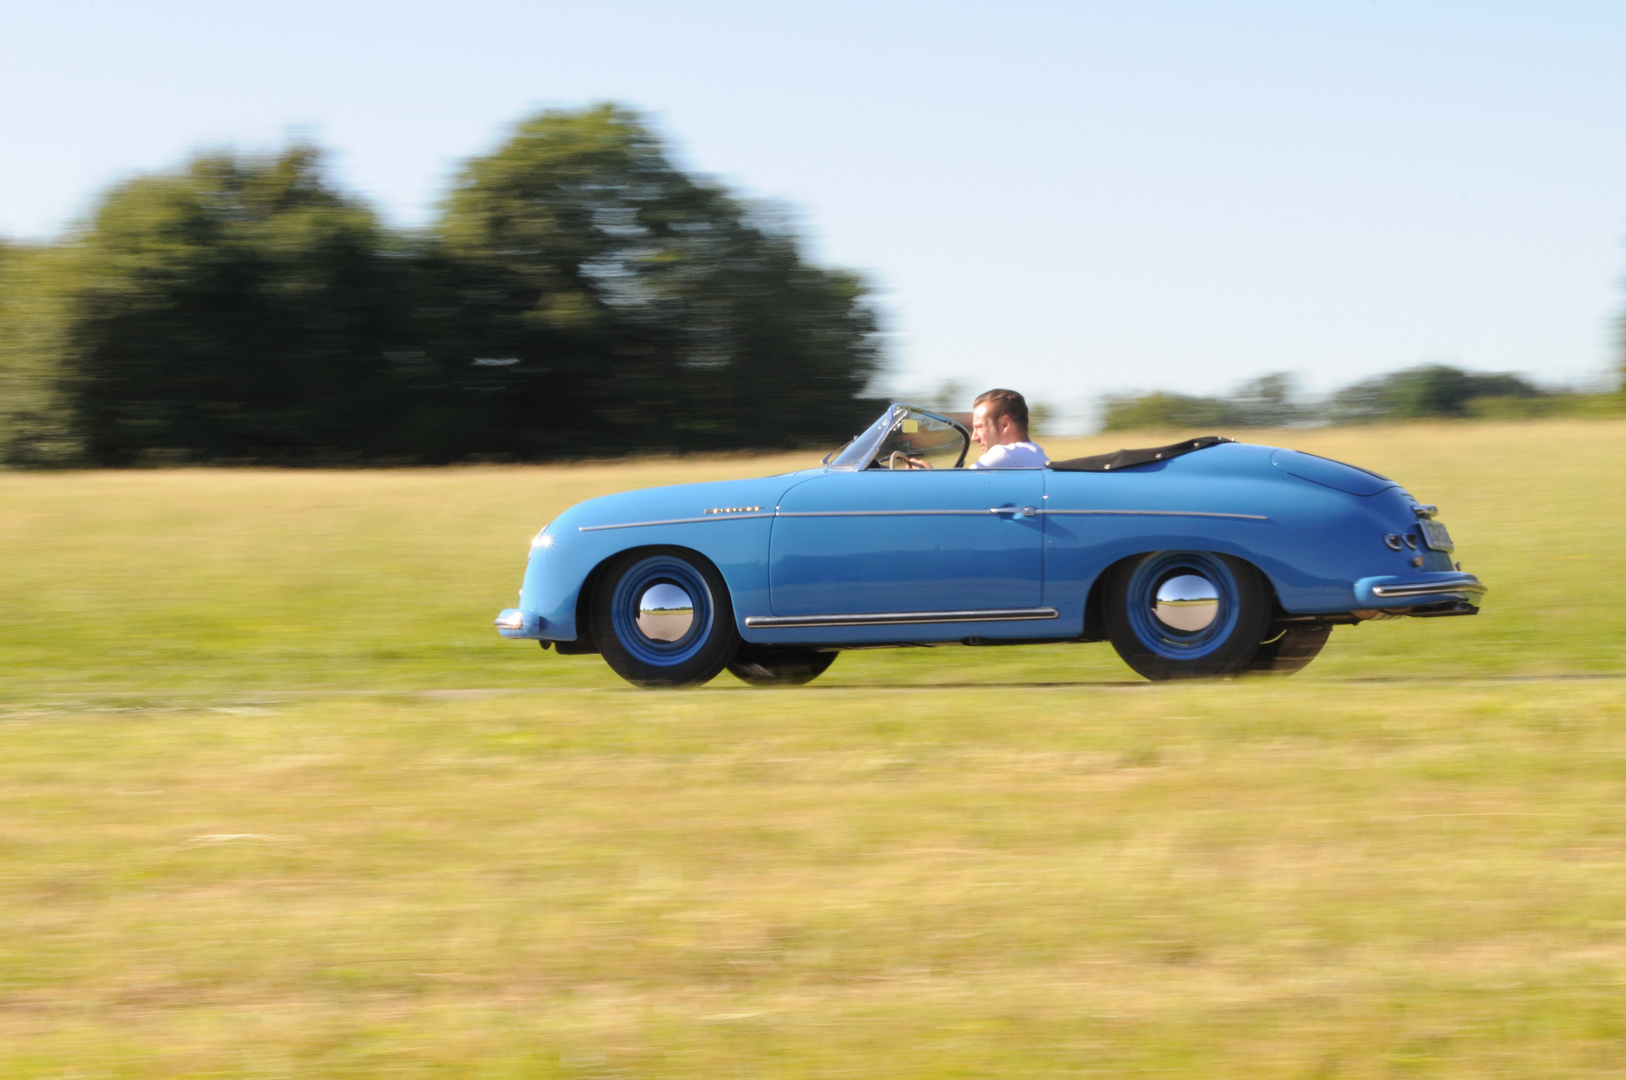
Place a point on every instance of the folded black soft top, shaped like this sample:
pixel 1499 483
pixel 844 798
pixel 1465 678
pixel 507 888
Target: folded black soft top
pixel 1124 459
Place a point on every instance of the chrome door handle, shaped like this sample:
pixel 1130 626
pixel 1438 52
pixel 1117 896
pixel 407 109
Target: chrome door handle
pixel 1025 511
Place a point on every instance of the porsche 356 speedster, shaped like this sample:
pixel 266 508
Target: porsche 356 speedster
pixel 1205 558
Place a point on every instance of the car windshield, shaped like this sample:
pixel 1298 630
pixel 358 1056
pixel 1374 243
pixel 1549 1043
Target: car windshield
pixel 907 437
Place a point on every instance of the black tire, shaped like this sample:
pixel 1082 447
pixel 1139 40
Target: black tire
pixel 1235 603
pixel 695 655
pixel 1290 651
pixel 779 667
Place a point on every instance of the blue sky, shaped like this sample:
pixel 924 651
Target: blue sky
pixel 1069 198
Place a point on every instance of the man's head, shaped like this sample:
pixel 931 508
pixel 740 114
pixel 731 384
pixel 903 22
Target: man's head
pixel 999 418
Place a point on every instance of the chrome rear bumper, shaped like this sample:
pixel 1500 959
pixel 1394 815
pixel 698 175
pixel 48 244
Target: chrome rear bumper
pixel 1455 592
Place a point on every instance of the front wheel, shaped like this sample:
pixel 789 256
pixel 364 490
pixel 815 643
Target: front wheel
pixel 662 617
pixel 1186 614
pixel 779 667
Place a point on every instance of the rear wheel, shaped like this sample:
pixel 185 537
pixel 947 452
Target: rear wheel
pixel 1186 614
pixel 779 667
pixel 1291 650
pixel 662 617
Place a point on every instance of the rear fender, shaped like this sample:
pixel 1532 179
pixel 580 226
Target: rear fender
pixel 1095 627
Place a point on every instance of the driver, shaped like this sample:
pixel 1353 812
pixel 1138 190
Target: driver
pixel 999 424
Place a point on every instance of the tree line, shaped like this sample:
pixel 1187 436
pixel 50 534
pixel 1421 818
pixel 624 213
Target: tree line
pixel 578 295
pixel 1425 392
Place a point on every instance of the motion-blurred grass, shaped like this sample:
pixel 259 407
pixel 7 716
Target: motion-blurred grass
pixel 211 580
pixel 1235 881
pixel 256 820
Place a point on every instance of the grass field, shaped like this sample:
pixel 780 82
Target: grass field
pixel 277 802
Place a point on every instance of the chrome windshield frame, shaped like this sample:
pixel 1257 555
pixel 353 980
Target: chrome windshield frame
pixel 860 452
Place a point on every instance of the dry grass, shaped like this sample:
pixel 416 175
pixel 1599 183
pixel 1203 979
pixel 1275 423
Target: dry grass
pixel 1229 881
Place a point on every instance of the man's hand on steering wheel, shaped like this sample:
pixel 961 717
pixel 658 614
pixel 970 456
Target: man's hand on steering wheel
pixel 911 462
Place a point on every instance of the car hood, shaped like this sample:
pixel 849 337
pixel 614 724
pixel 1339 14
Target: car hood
pixel 679 502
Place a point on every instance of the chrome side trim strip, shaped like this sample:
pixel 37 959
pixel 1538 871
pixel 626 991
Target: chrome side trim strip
pixel 1017 510
pixel 924 513
pixel 904 618
pixel 672 521
pixel 889 513
pixel 1156 513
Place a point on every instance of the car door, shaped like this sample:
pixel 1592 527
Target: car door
pixel 876 540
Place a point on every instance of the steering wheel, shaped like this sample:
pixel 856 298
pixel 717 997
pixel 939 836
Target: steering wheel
pixel 909 461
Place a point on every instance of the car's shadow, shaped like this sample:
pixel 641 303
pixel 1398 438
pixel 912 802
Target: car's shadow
pixel 1142 684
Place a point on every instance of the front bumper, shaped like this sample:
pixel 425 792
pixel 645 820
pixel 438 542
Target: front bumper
pixel 1447 592
pixel 519 625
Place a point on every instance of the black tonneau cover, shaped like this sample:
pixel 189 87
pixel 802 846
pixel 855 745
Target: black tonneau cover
pixel 1124 459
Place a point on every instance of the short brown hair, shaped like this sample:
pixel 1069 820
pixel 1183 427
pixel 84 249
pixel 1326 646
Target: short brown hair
pixel 1004 403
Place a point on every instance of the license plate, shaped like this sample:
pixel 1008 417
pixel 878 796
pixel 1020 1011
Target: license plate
pixel 1435 536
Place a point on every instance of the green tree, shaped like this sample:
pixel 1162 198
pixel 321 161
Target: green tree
pixel 1428 391
pixel 243 309
pixel 620 303
pixel 1270 401
pixel 581 295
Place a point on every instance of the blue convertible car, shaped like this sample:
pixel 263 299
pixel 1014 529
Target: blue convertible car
pixel 1205 558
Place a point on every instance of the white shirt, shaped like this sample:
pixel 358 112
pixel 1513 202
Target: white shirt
pixel 1016 455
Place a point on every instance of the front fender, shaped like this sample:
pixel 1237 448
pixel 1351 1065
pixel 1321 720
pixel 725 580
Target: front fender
pixel 727 522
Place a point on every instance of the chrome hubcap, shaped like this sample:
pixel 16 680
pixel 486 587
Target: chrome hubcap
pixel 1186 603
pixel 665 612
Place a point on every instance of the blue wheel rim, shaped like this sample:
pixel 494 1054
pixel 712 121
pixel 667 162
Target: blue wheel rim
pixel 1172 644
pixel 640 578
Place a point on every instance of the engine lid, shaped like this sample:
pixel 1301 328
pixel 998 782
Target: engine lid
pixel 1330 473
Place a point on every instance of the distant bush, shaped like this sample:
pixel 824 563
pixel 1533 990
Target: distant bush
pixel 1268 401
pixel 37 421
pixel 1559 404
pixel 1164 411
